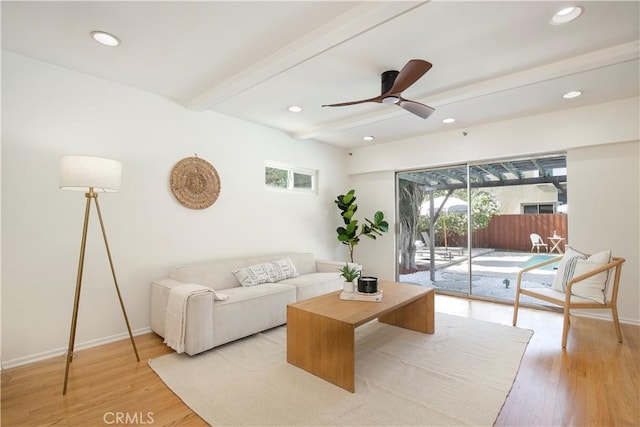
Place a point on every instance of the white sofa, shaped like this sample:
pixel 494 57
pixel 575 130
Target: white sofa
pixel 249 309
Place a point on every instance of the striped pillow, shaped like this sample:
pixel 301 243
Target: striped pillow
pixel 595 287
pixel 566 269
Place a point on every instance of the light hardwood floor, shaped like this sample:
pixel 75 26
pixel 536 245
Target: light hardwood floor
pixel 595 382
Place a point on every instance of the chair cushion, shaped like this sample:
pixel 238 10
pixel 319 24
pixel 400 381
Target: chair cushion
pixel 595 287
pixel 565 269
pixel 574 264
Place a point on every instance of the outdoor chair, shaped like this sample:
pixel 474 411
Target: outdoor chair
pixel 537 243
pixel 587 282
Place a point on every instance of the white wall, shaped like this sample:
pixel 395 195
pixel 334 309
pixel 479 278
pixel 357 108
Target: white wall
pixel 372 192
pixel 601 142
pixel 544 133
pixel 48 112
pixel 603 183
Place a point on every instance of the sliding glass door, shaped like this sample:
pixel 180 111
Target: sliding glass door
pixel 432 238
pixel 467 229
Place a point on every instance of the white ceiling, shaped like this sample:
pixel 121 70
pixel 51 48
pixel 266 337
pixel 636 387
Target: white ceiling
pixel 491 60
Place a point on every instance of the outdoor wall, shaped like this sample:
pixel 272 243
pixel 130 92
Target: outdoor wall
pixel 513 198
pixel 594 135
pixel 48 112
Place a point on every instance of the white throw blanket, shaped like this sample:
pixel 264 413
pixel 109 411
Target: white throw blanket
pixel 176 318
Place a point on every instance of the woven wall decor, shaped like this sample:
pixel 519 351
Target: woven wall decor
pixel 195 183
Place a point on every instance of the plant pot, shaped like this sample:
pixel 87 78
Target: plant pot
pixel 348 287
pixel 368 285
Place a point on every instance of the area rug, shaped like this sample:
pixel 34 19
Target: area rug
pixel 461 375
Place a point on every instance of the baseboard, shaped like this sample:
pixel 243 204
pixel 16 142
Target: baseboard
pixel 79 346
pixel 605 316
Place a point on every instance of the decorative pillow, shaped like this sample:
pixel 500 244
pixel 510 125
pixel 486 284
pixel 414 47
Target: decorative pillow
pixel 268 272
pixel 594 287
pixel 252 275
pixel 565 268
pixel 284 269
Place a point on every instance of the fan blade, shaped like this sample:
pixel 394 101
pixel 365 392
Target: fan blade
pixel 409 74
pixel 342 104
pixel 416 108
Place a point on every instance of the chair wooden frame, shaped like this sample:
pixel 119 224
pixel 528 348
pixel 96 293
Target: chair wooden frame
pixel 566 303
pixel 537 243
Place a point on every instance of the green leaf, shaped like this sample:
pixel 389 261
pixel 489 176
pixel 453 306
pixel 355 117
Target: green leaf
pixel 378 217
pixel 349 197
pixel 352 228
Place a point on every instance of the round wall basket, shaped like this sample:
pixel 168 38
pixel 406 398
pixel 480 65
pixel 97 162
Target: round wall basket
pixel 195 183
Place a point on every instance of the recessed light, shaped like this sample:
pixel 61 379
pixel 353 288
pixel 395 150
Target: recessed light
pixel 105 38
pixel 565 15
pixel 449 120
pixel 295 109
pixel 572 94
pixel 368 138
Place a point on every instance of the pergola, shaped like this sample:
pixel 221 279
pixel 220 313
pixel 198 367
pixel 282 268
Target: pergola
pixel 541 170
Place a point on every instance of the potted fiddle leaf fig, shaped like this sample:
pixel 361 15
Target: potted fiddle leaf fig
pixel 349 273
pixel 350 234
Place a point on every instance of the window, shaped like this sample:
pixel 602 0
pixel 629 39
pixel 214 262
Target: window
pixel 289 178
pixel 540 208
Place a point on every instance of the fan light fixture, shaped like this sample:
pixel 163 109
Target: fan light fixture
pixel 295 109
pixel 565 15
pixel 368 138
pixel 393 83
pixel 449 120
pixel 105 38
pixel 572 94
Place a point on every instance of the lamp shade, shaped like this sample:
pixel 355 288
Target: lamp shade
pixel 80 173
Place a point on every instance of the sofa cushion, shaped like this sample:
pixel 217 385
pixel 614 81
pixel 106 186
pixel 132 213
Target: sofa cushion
pixel 314 284
pixel 311 279
pixel 241 293
pixel 305 262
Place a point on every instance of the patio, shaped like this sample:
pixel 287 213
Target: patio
pixel 494 273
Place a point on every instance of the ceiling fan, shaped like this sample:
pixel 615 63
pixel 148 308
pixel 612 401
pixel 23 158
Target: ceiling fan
pixel 394 83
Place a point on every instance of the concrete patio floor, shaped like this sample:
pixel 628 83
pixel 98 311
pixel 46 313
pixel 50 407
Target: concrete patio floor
pixel 494 273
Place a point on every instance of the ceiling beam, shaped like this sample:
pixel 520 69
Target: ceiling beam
pixel 360 19
pixel 578 64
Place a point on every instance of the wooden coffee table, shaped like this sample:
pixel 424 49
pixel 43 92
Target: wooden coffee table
pixel 320 330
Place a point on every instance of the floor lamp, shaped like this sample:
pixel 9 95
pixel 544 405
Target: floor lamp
pixel 92 175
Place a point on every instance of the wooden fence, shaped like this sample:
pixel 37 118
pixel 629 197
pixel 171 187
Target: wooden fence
pixel 511 232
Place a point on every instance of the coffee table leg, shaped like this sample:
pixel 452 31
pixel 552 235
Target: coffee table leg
pixel 321 346
pixel 418 315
